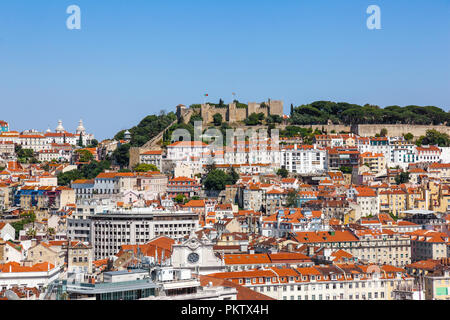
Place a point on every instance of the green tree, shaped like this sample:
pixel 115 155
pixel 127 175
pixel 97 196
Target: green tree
pixel 80 140
pixel 26 218
pixel 383 132
pixel 218 180
pixel 408 136
pixel 234 176
pixel 25 155
pixel 319 112
pixel 345 169
pixel 283 173
pixel 195 117
pixel 254 119
pixel 217 119
pixel 122 155
pixel 144 167
pixel 86 171
pixel 93 144
pixel 403 177
pixel 291 200
pixel 51 232
pixel 179 198
pixel 85 155
pixel 31 232
pixel 434 137
pixel 148 128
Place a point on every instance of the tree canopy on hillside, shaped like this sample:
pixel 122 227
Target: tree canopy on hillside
pixel 148 128
pixel 87 171
pixel 319 112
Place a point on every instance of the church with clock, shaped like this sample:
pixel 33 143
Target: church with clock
pixel 197 255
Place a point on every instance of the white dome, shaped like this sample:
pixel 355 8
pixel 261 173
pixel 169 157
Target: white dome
pixel 80 127
pixel 60 127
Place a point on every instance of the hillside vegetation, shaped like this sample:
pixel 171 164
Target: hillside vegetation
pixel 319 112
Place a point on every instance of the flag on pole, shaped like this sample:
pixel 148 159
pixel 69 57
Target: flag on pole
pixel 206 94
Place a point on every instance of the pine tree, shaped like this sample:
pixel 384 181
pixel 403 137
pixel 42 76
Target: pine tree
pixel 80 141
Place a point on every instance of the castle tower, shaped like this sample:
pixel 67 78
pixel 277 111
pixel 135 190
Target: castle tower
pixel 181 110
pixel 127 136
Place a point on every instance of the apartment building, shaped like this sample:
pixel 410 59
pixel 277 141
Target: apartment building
pixel 110 230
pixel 374 246
pixel 242 262
pixel 324 282
pixel 428 244
pixel 183 185
pixel 151 157
pixel 304 159
pixel 375 161
pixel 79 257
pixel 393 201
pixel 428 154
pixel 433 276
pixel 183 150
pixel 342 157
pixel 367 200
pixel 39 275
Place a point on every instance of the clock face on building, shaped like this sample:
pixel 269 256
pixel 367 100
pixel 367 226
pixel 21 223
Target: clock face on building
pixel 193 257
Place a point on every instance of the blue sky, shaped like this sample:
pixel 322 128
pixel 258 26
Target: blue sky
pixel 134 58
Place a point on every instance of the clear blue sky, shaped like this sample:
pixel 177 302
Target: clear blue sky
pixel 137 57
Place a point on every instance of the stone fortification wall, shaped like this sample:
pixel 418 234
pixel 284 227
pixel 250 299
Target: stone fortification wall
pixel 393 130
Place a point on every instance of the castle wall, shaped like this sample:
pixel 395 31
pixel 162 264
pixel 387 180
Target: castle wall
pixel 397 129
pixel 207 112
pixel 276 107
pixel 233 114
pixel 252 108
pixel 241 114
pixel 134 157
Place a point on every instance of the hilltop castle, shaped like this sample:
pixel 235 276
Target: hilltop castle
pixel 232 112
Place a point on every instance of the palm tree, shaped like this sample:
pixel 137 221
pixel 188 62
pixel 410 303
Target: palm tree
pixel 51 232
pixel 31 232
